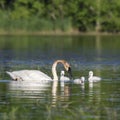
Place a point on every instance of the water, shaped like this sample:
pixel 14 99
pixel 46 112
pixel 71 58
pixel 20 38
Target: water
pixel 35 101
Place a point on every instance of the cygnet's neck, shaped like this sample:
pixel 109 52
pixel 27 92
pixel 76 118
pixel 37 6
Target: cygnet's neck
pixel 62 73
pixel 90 76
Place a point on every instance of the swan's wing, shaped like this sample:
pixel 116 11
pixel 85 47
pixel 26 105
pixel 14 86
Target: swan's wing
pixel 18 75
pixel 29 75
pixel 37 75
pixel 12 75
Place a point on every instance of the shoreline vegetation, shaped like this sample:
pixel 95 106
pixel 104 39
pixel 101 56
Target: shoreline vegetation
pixel 59 17
pixel 53 33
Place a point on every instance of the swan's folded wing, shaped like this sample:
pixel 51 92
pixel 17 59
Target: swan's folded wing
pixel 30 75
pixel 18 75
pixel 38 75
pixel 11 75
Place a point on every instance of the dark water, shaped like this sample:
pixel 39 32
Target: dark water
pixel 34 101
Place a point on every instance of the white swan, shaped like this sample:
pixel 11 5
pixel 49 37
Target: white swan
pixel 64 78
pixel 38 75
pixel 79 81
pixel 93 78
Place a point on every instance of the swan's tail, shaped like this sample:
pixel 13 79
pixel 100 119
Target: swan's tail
pixel 11 75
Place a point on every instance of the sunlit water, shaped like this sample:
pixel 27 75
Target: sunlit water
pixel 56 100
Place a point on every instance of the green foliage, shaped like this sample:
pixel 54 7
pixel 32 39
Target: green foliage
pixel 49 15
pixel 110 16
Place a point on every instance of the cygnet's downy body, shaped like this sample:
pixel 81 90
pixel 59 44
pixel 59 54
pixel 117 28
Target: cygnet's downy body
pixel 79 80
pixel 93 78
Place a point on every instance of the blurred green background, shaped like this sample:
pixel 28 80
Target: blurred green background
pixel 59 16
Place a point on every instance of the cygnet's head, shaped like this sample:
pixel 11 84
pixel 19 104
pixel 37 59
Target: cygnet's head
pixel 62 73
pixel 90 73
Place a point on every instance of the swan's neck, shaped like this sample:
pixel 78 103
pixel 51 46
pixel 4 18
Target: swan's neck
pixel 54 72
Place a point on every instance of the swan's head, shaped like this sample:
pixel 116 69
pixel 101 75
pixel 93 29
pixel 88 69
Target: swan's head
pixel 90 73
pixel 68 68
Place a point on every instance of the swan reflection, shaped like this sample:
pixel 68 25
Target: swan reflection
pixel 26 85
pixel 40 91
pixel 94 93
pixel 60 94
pixel 28 89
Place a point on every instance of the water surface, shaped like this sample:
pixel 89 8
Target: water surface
pixel 51 100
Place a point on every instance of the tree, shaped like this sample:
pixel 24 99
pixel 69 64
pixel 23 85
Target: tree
pixel 27 8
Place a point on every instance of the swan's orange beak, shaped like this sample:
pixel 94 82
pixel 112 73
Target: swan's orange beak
pixel 70 73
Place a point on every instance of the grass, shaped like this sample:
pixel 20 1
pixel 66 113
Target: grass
pixel 39 26
pixel 33 24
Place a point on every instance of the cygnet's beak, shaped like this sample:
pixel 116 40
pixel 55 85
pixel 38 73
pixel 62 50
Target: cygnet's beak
pixel 70 73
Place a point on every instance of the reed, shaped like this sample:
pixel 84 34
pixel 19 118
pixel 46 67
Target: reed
pixel 33 24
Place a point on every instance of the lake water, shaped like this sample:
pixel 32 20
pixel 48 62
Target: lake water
pixel 51 101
